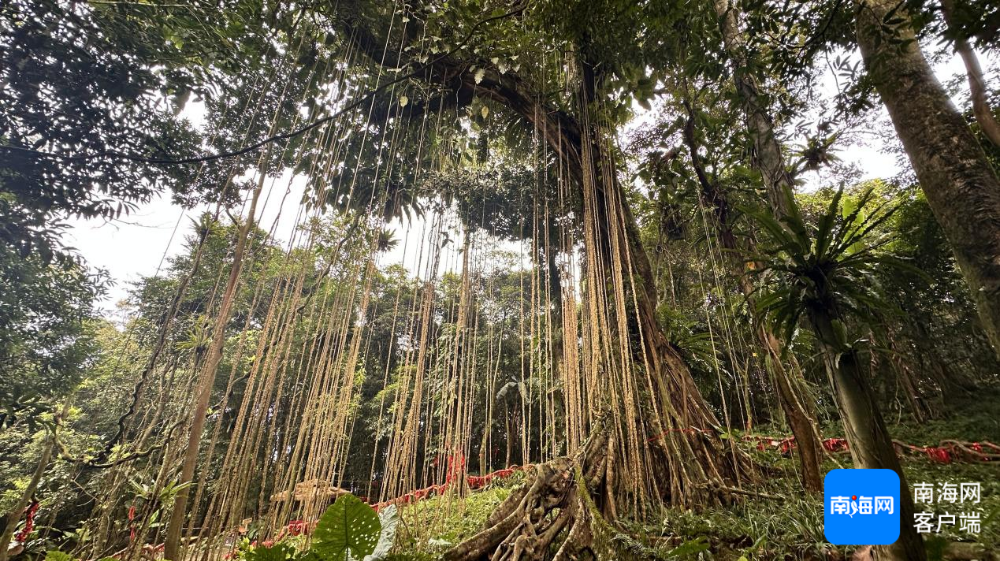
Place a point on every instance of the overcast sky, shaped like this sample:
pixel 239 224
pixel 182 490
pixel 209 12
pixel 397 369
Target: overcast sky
pixel 135 245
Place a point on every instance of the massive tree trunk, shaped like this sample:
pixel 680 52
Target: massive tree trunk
pixel 961 186
pixel 690 463
pixel 678 449
pixel 871 445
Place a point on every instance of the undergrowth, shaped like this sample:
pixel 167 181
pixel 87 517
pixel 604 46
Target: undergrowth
pixel 431 526
pixel 774 520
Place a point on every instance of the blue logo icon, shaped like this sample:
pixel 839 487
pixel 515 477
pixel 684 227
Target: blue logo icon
pixel 861 506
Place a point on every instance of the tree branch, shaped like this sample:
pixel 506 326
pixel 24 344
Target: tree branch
pixel 113 154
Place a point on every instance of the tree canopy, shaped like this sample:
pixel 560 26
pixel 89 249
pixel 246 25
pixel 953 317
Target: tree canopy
pixel 605 248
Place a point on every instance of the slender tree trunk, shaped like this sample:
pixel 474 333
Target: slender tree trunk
pixel 507 457
pixel 961 186
pixel 206 382
pixel 769 160
pixel 803 425
pixel 904 375
pixel 791 400
pixel 977 83
pixel 14 516
pixel 768 157
pixel 871 445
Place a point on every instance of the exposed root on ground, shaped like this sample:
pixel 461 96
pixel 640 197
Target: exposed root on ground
pixel 527 523
pixel 562 511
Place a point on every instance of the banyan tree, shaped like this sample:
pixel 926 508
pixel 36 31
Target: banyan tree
pixel 418 259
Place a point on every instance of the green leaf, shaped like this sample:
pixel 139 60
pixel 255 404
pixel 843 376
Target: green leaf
pixel 794 219
pixel 690 547
pixel 778 233
pixel 823 238
pixel 389 518
pixel 278 552
pixel 56 555
pixel 840 332
pixel 348 530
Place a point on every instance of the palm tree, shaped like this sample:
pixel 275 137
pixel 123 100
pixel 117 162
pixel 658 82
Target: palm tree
pixel 825 274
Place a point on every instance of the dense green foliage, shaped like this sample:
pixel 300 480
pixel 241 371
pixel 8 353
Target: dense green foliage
pixel 456 107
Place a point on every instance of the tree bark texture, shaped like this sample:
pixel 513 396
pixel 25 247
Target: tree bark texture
pixel 961 186
pixel 768 158
pixel 526 525
pixel 871 445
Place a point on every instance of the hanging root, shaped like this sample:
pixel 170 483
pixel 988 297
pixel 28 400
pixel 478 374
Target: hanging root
pixel 527 524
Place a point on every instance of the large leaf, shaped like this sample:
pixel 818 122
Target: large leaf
pixel 348 530
pixel 389 518
pixel 824 239
pixel 794 221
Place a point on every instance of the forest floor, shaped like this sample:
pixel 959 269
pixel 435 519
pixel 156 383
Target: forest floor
pixel 776 520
